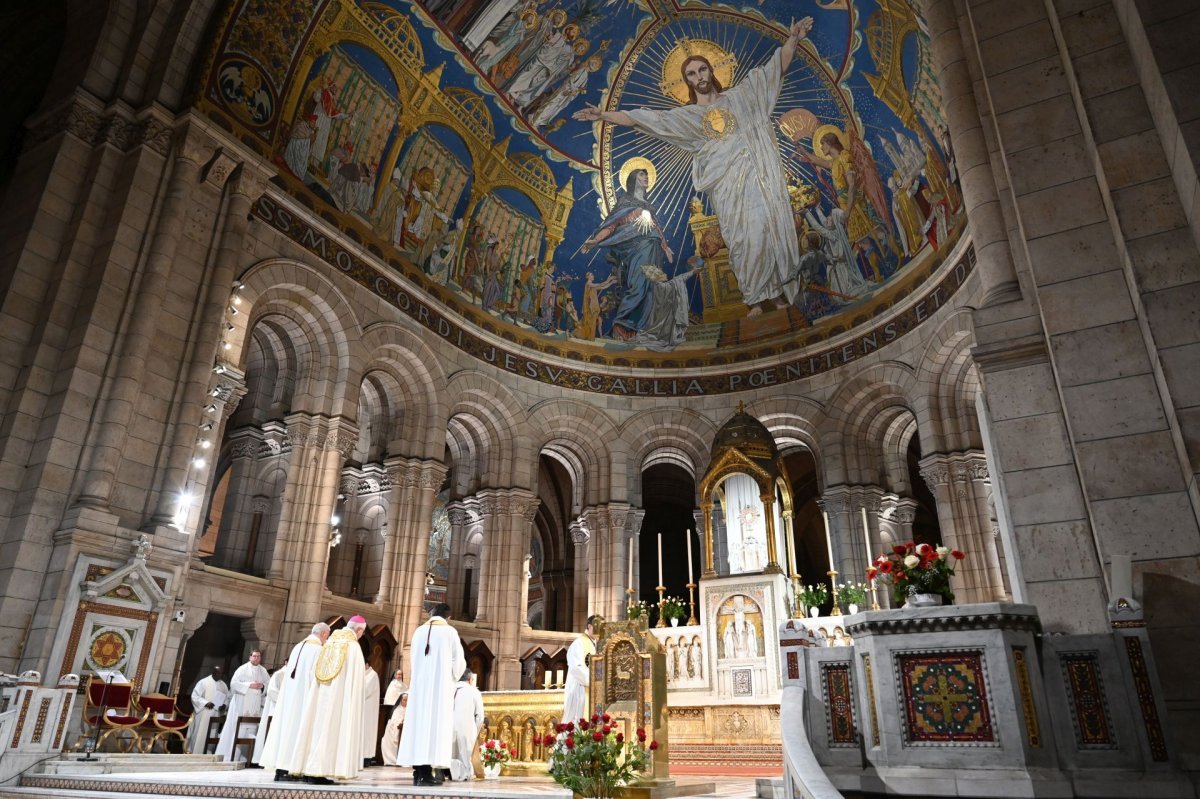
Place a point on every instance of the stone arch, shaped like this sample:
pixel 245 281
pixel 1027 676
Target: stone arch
pixel 948 383
pixel 575 433
pixel 851 456
pixel 666 435
pixel 792 421
pixel 486 412
pixel 399 353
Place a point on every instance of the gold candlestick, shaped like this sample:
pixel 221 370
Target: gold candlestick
pixel 874 596
pixel 691 604
pixel 837 610
pixel 661 590
pixel 797 611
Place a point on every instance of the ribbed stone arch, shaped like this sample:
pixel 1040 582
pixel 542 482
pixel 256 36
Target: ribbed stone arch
pixel 303 294
pixel 792 421
pixel 499 421
pixel 683 434
pixel 418 428
pixel 851 457
pixel 569 426
pixel 947 386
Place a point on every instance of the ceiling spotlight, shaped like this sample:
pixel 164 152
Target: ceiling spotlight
pixel 199 463
pixel 237 300
pixel 226 345
pixel 232 311
pixel 208 425
pixel 216 392
pixel 229 326
pixel 335 520
pixel 205 443
pixel 210 408
pixel 219 368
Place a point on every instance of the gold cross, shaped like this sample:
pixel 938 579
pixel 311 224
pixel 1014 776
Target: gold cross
pixel 944 698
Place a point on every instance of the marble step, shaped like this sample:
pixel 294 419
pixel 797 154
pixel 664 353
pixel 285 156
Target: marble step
pixel 132 763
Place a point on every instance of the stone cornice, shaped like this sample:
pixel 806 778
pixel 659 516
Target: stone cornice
pixel 961 618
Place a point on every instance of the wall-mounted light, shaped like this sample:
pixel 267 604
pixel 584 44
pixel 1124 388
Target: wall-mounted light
pixel 199 462
pixel 205 443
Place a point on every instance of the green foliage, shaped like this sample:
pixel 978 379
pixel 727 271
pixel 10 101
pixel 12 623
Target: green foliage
pixel 673 608
pixel 813 596
pixel 593 759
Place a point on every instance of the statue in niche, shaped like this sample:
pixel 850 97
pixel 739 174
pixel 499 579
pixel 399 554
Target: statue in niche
pixel 695 660
pixel 739 635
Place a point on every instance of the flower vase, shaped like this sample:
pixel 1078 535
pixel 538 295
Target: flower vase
pixel 675 621
pixel 814 612
pixel 916 599
pixel 491 772
pixel 853 608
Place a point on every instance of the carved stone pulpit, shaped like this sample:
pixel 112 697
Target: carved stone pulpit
pixel 629 682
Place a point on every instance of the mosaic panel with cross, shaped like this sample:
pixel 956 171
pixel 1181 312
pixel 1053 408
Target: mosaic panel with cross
pixel 945 698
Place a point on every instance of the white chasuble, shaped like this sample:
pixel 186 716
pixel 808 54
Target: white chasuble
pixel 437 663
pixel 579 674
pixel 735 161
pixel 330 731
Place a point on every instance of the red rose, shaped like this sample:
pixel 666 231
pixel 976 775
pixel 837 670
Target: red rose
pixel 954 553
pixel 899 550
pixel 620 737
pixel 597 736
pixel 924 549
pixel 871 572
pixel 886 567
pixel 607 729
pixel 570 742
pixel 653 745
pixel 641 734
pixel 491 744
pixel 548 740
pixel 595 717
pixel 503 745
pixel 606 718
pixel 570 726
pixel 583 725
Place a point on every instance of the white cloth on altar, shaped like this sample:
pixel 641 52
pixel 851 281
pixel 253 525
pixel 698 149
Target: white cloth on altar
pixel 370 717
pixel 243 701
pixel 280 750
pixel 329 738
pixel 739 168
pixel 274 686
pixel 428 733
pixel 206 690
pixel 579 675
pixel 468 717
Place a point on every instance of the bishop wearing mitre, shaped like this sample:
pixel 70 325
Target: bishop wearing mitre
pixel 331 729
pixel 246 687
pixel 280 751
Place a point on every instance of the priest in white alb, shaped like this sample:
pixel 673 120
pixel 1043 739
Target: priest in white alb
pixel 468 718
pixel 370 717
pixel 390 743
pixel 208 697
pixel 280 750
pixel 331 729
pixel 274 686
pixel 579 673
pixel 437 661
pixel 396 687
pixel 246 688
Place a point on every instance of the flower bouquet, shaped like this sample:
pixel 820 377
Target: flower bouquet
pixel 917 569
pixel 813 596
pixel 852 594
pixel 672 609
pixel 593 759
pixel 493 754
pixel 637 610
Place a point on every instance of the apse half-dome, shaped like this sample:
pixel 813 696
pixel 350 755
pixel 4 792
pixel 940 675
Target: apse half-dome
pixel 802 197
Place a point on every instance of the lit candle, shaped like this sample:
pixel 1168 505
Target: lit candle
pixel 660 580
pixel 689 542
pixel 828 540
pixel 629 582
pixel 558 677
pixel 546 680
pixel 866 535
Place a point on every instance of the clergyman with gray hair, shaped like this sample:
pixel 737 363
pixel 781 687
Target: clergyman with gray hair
pixel 280 750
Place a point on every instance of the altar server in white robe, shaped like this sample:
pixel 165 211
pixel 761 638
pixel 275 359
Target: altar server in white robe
pixel 437 663
pixel 331 729
pixel 280 752
pixel 396 687
pixel 468 717
pixel 245 699
pixel 208 697
pixel 274 686
pixel 390 743
pixel 579 673
pixel 370 718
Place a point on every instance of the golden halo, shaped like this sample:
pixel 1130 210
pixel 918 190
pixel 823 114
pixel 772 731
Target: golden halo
pixel 820 132
pixel 672 83
pixel 637 162
pixel 558 17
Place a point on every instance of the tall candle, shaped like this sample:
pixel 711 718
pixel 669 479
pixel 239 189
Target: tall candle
pixel 629 582
pixel 546 680
pixel 828 540
pixel 1122 577
pixel 660 580
pixel 866 535
pixel 689 542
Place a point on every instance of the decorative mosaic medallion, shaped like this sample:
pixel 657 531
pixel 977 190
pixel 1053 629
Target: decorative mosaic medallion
pixel 945 698
pixel 743 683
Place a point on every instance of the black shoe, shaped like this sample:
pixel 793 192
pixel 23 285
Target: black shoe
pixel 252 765
pixel 426 782
pixel 282 776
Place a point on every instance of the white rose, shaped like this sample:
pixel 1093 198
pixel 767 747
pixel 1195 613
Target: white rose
pixel 910 561
pixel 943 551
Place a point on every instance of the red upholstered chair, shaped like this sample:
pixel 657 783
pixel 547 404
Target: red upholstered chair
pixel 108 709
pixel 162 720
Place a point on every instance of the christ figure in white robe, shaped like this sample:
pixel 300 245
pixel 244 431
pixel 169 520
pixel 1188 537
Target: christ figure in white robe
pixel 735 161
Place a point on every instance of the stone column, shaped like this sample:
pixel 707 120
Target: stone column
pixel 420 481
pixel 965 522
pixel 511 512
pixel 837 503
pixel 610 527
pixel 980 196
pixel 234 527
pixel 768 502
pixel 896 520
pixel 580 538
pixel 457 515
pixel 318 448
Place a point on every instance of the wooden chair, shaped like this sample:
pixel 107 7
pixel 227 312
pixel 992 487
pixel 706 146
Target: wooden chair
pixel 162 721
pixel 246 740
pixel 212 736
pixel 108 710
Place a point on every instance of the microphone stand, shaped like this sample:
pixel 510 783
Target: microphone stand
pixel 99 721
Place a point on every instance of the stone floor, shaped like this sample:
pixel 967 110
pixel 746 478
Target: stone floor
pixel 375 783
